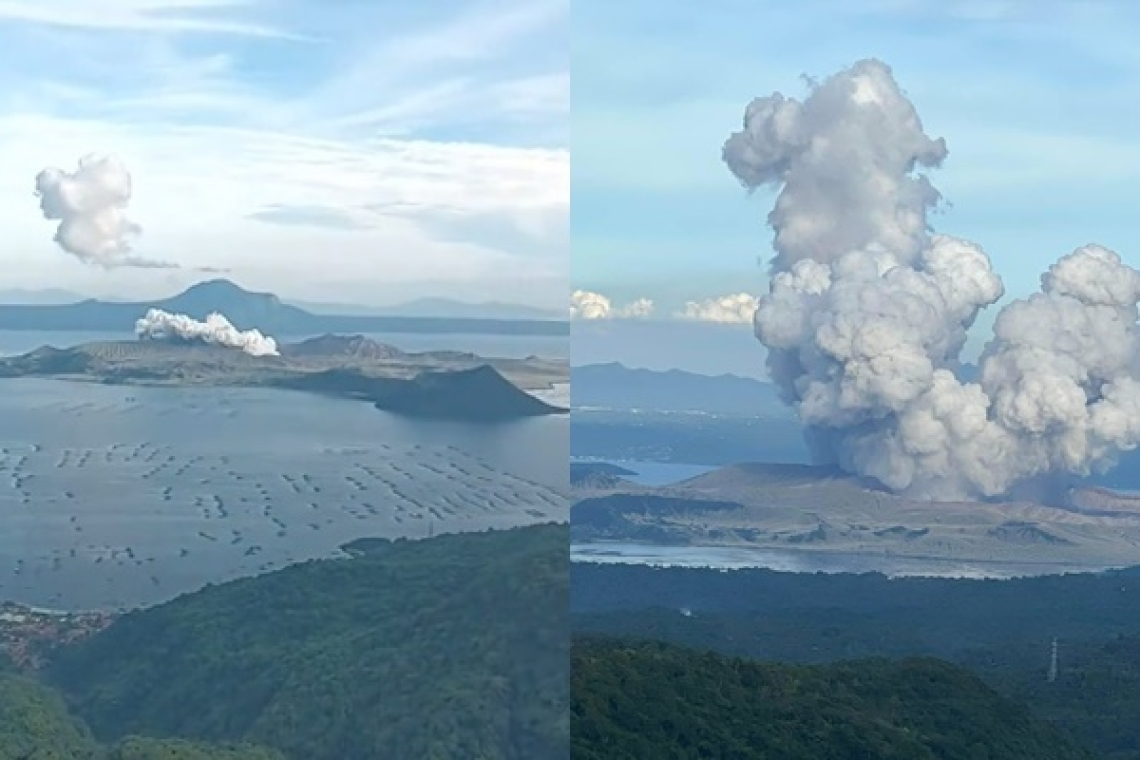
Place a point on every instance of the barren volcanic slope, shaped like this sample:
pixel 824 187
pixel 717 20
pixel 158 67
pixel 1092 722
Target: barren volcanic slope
pixel 815 509
pixel 454 385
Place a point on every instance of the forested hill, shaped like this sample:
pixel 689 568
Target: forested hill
pixel 1000 630
pixel 454 647
pixel 639 700
pixel 35 725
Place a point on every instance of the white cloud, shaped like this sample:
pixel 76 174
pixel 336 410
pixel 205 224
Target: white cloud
pixel 424 161
pixel 585 304
pixel 738 308
pixel 642 308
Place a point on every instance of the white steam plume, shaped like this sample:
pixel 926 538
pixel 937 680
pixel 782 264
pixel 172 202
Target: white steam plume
pixel 90 205
pixel 867 310
pixel 162 325
pixel 735 309
pixel 585 304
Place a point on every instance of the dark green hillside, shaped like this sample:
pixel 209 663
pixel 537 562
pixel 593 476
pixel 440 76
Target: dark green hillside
pixel 453 647
pixel 35 725
pixel 1000 630
pixel 140 748
pixel 1096 697
pixel 34 719
pixel 641 701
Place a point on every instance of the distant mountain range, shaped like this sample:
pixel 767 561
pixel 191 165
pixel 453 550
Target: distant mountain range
pixel 45 296
pixel 615 386
pixel 445 308
pixel 435 307
pixel 263 311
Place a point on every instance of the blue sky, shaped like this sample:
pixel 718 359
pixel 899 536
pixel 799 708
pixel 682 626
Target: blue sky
pixel 366 151
pixel 1039 104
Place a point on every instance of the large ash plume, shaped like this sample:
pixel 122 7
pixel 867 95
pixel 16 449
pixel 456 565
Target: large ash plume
pixel 867 310
pixel 162 325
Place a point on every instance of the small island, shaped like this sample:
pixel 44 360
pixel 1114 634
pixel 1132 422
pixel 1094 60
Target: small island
pixel 449 385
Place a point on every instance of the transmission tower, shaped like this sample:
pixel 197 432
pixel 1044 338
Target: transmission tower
pixel 1053 664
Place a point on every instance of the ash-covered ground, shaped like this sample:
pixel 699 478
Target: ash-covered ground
pixel 841 519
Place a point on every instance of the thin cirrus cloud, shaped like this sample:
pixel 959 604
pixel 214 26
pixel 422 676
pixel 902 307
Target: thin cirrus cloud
pixel 203 16
pixel 373 151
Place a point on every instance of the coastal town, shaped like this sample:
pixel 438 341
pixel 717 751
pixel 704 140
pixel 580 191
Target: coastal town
pixel 28 635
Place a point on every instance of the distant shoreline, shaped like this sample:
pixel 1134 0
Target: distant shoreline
pixel 653 555
pixel 262 311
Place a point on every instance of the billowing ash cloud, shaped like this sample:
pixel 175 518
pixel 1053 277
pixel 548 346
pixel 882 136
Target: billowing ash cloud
pixel 867 310
pixel 90 205
pixel 585 304
pixel 734 309
pixel 162 325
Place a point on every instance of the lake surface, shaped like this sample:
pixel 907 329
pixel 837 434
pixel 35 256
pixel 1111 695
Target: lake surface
pixel 114 497
pixel 793 561
pixel 14 342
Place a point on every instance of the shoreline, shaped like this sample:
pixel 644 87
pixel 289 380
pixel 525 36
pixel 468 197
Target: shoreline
pixel 655 555
pixel 346 552
pixel 535 394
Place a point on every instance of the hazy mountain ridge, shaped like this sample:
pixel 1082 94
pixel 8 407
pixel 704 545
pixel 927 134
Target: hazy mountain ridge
pixel 248 310
pixel 447 308
pixel 615 386
pixel 39 296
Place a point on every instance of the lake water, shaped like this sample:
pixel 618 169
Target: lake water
pixel 14 342
pixel 793 561
pixel 114 497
